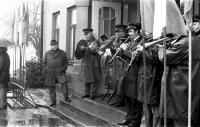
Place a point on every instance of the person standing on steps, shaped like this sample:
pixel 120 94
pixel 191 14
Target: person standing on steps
pixel 54 67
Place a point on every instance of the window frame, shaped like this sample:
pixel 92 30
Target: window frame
pixel 55 29
pixel 71 27
pixel 102 20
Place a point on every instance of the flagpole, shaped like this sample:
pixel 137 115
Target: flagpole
pixel 144 64
pixel 144 72
pixel 190 79
pixel 165 79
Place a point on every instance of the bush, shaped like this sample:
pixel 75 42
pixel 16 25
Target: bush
pixel 34 75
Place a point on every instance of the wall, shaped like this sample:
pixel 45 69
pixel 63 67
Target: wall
pixel 50 7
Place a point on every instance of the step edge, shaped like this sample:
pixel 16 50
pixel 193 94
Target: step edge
pixel 62 103
pixel 102 105
pixel 65 117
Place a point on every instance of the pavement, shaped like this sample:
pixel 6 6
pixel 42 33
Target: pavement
pixel 34 117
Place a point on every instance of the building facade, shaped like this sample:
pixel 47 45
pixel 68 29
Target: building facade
pixel 65 19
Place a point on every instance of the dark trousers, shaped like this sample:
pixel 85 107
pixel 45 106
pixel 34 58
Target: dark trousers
pixel 120 99
pixel 90 89
pixel 52 91
pixel 3 95
pixel 134 111
pixel 173 123
pixel 152 115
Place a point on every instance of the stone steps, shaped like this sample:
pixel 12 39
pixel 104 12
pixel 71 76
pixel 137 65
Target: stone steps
pixel 86 112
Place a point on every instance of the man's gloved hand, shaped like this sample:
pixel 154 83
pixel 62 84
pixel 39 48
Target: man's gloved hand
pixel 123 46
pixel 82 47
pixel 139 48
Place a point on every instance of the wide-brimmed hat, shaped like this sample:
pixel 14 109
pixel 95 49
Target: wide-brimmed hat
pixel 5 43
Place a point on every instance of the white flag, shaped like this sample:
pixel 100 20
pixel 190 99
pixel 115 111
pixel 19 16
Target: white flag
pixel 157 14
pixel 160 16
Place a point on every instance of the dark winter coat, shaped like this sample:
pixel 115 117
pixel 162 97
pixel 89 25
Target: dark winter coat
pixel 177 79
pixel 55 66
pixel 128 87
pixel 90 62
pixel 154 69
pixel 4 67
pixel 112 71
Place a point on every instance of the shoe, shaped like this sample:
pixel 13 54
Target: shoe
pixel 134 124
pixel 86 96
pixel 113 104
pixel 67 99
pixel 92 97
pixel 53 104
pixel 124 122
pixel 119 105
pixel 4 107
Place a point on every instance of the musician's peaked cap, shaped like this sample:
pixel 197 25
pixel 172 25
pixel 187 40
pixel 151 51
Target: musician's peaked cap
pixel 196 18
pixel 87 30
pixel 134 26
pixel 119 28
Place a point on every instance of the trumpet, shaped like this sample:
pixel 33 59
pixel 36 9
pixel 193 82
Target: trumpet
pixel 118 50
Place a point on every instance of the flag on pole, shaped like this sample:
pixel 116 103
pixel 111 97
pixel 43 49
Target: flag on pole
pixel 16 24
pixel 147 14
pixel 159 23
pixel 23 24
pixel 156 14
pixel 188 18
pixel 188 11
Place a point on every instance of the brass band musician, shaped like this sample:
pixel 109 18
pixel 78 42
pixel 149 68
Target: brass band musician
pixel 112 71
pixel 129 84
pixel 90 64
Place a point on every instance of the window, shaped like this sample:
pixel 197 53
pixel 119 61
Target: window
pixel 107 21
pixel 56 26
pixel 72 31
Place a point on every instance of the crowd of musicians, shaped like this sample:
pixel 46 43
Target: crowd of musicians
pixel 132 63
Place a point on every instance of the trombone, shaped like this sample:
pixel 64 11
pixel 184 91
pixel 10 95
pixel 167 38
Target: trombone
pixel 118 50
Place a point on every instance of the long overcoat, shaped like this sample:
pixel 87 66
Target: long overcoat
pixel 111 72
pixel 4 67
pixel 128 87
pixel 177 80
pixel 55 66
pixel 154 69
pixel 91 62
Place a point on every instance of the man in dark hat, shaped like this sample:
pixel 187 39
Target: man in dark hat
pixel 117 65
pixel 120 30
pixel 129 83
pixel 54 67
pixel 91 65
